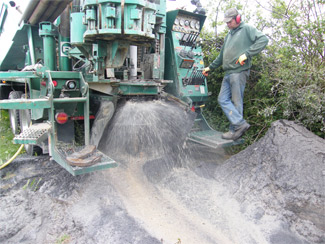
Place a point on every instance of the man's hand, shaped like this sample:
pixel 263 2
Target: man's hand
pixel 242 58
pixel 205 71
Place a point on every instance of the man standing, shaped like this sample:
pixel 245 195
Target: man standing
pixel 241 43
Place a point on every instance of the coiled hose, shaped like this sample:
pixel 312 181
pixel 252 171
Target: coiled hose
pixel 13 157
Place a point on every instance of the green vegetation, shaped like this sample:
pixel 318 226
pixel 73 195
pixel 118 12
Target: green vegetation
pixel 7 148
pixel 32 184
pixel 287 79
pixel 64 239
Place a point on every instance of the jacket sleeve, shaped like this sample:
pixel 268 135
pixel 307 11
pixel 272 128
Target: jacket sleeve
pixel 258 39
pixel 218 61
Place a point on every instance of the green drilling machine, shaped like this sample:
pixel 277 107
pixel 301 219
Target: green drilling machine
pixel 71 62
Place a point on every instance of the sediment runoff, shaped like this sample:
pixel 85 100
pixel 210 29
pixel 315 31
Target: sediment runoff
pixel 169 190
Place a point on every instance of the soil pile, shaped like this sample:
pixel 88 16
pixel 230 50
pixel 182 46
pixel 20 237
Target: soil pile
pixel 282 175
pixel 272 192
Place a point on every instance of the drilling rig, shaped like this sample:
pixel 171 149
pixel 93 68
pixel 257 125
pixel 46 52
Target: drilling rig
pixel 71 62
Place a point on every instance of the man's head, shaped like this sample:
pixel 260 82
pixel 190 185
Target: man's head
pixel 232 18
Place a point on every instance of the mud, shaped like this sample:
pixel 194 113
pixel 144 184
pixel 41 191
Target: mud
pixel 272 192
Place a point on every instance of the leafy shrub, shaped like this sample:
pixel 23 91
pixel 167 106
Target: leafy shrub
pixel 287 79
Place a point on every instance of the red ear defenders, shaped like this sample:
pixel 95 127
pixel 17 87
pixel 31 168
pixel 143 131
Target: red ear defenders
pixel 238 19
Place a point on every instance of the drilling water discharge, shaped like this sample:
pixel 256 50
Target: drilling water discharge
pixel 155 178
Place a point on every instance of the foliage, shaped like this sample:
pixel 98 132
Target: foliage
pixel 32 184
pixel 65 238
pixel 79 133
pixel 287 79
pixel 297 58
pixel 7 148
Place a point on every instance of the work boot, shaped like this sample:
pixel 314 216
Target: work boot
pixel 228 135
pixel 240 131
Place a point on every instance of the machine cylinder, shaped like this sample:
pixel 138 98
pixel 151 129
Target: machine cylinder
pixel 47 31
pixel 133 61
pixel 64 61
pixel 49 52
pixel 77 28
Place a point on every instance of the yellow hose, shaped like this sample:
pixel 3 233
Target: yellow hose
pixel 13 157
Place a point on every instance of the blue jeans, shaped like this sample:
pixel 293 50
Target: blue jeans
pixel 231 97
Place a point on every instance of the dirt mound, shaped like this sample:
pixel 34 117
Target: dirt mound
pixel 272 192
pixel 281 175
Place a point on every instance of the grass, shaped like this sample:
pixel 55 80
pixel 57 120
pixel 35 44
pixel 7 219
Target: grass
pixel 64 239
pixel 32 184
pixel 7 148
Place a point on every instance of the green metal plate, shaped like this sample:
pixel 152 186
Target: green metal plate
pixel 139 88
pixel 105 163
pixel 15 56
pixel 65 75
pixel 17 75
pixel 35 134
pixel 212 138
pixel 25 103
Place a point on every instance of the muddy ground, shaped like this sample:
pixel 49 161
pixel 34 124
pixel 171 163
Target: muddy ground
pixel 272 192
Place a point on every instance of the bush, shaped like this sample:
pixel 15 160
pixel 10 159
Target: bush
pixel 287 79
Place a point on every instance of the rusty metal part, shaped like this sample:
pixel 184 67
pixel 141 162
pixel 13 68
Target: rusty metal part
pixel 84 153
pixel 84 157
pixel 84 162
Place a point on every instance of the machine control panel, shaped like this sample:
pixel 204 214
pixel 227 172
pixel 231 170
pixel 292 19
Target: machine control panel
pixel 185 63
pixel 186 24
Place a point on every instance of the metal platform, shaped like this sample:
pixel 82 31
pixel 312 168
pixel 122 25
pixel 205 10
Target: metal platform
pixel 204 134
pixel 59 155
pixel 105 163
pixel 35 134
pixel 212 138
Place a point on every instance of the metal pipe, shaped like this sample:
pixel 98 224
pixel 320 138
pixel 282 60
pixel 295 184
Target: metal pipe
pixel 29 10
pixel 162 56
pixel 59 9
pixel 70 100
pixel 65 61
pixel 41 8
pixel 48 10
pixel 65 22
pixel 31 45
pixel 53 7
pixel 133 61
pixel 49 52
pixel 75 6
pixel 48 32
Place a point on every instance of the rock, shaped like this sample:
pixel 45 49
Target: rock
pixel 282 173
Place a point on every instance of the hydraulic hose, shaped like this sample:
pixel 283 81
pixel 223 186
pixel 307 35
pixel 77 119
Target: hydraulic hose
pixel 13 157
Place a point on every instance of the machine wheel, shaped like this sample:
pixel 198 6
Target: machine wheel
pixel 14 113
pixel 25 122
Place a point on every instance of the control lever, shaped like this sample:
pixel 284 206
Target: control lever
pixel 189 39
